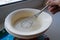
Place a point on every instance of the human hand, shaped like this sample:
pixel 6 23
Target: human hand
pixel 54 5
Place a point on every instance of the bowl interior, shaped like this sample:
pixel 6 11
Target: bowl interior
pixel 43 23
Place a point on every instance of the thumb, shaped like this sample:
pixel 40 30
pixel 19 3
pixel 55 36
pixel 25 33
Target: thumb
pixel 53 2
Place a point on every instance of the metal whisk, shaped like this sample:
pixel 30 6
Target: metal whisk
pixel 28 21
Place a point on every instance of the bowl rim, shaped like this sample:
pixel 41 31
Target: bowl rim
pixel 8 26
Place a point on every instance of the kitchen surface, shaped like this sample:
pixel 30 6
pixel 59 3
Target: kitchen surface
pixel 54 30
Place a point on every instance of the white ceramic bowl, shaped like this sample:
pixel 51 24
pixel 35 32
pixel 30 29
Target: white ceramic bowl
pixel 45 17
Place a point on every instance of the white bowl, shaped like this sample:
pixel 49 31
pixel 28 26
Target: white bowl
pixel 13 16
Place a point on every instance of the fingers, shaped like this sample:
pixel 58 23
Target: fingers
pixel 53 5
pixel 52 2
pixel 50 8
pixel 54 9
